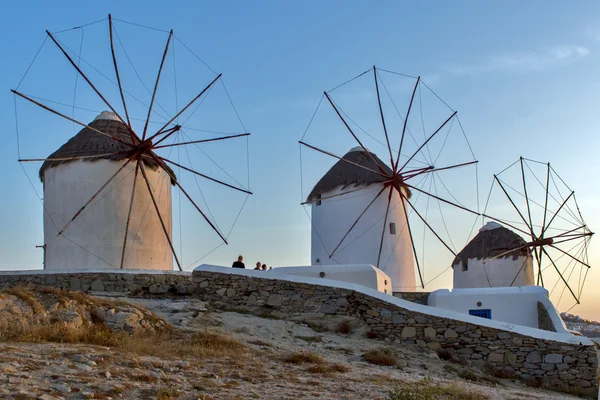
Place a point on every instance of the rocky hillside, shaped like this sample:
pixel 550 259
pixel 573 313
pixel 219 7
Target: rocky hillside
pixel 67 345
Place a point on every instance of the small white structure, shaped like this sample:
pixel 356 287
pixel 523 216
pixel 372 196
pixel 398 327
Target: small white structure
pixel 515 305
pixel 365 275
pixel 95 239
pixel 487 262
pixel 336 205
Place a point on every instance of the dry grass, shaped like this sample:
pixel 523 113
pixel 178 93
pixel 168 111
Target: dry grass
pixel 166 393
pixel 27 297
pixel 381 357
pixel 311 339
pixel 326 369
pixel 167 344
pixel 304 357
pixel 426 389
pixel 344 327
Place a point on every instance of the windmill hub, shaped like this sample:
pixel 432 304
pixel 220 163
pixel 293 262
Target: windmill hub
pixel 541 242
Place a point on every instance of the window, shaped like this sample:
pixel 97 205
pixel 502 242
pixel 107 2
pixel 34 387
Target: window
pixel 392 228
pixel 318 199
pixel 465 265
pixel 481 313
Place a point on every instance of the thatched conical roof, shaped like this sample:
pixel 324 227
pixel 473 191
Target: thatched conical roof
pixel 493 239
pixel 345 174
pixel 90 143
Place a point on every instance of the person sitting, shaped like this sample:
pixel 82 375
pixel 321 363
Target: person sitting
pixel 239 263
pixel 258 264
pixel 264 267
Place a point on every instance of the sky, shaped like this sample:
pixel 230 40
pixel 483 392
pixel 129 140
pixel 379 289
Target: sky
pixel 522 76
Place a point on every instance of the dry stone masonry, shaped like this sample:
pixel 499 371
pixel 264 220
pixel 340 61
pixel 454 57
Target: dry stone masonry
pixel 567 367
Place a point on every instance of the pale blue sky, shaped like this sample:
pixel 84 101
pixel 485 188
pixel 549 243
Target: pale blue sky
pixel 523 77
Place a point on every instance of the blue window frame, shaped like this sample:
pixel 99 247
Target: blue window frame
pixel 481 313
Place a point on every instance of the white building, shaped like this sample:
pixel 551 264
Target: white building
pixel 487 262
pixel 526 306
pixel 365 275
pixel 95 239
pixel 336 205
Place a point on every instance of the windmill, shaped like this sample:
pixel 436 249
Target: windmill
pixel 362 193
pixel 532 199
pixel 111 157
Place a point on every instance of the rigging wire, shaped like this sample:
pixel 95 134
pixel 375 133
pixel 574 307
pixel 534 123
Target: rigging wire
pixel 139 78
pixel 140 25
pixel 195 55
pixel 350 80
pixel 544 188
pixel 32 62
pixel 436 95
pixel 402 119
pixel 397 73
pixel 80 26
pixel 76 79
pixel 313 117
pixel 423 124
pixel 213 161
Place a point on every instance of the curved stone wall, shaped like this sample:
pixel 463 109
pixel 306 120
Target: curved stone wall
pixel 557 363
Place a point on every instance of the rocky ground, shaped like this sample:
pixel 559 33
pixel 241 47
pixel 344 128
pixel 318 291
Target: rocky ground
pixel 213 354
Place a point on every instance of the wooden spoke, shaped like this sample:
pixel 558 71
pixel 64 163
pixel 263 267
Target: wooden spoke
pixel 191 200
pixel 90 157
pixel 341 158
pixel 432 169
pixel 387 139
pixel 526 198
pixel 412 242
pixel 546 202
pixel 426 141
pixel 45 107
pixel 443 200
pixel 356 222
pixel 114 58
pixel 516 208
pixel 387 211
pixel 507 224
pixel 205 176
pixel 168 132
pixel 162 63
pixel 352 133
pixel 557 211
pixel 162 223
pixel 568 255
pixel 74 64
pixel 202 141
pixel 187 106
pixel 336 195
pixel 561 276
pixel 78 213
pixel 395 165
pixel 539 258
pixel 137 169
pixel 427 224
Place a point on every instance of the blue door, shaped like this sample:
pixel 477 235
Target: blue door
pixel 481 313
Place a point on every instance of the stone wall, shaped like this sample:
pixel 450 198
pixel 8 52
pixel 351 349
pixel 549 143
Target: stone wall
pixel 123 282
pixel 559 365
pixel 415 297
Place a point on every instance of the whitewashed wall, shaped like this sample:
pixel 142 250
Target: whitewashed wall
pixel 365 275
pixel 498 272
pixel 515 305
pixel 332 219
pixel 99 231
